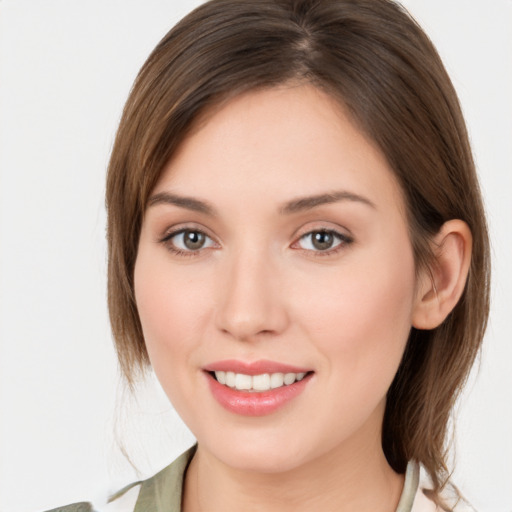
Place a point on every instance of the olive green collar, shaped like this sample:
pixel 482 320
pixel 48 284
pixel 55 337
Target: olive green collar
pixel 162 492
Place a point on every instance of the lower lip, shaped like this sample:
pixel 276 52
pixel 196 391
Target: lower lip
pixel 258 403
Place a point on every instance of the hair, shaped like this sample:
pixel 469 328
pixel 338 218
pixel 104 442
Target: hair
pixel 377 62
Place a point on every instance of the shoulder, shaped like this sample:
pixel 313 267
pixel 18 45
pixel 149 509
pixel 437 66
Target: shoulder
pixel 450 496
pixel 123 501
pixel 166 486
pixel 75 507
pixel 455 504
pixel 141 496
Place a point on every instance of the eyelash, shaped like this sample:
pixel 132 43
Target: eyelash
pixel 167 241
pixel 343 240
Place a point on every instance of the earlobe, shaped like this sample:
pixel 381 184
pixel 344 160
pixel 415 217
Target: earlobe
pixel 440 289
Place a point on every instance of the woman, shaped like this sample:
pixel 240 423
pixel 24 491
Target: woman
pixel 298 248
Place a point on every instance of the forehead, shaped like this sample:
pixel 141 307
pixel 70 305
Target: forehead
pixel 281 142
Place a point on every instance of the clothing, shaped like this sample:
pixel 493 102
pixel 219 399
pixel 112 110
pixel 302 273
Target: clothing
pixel 162 493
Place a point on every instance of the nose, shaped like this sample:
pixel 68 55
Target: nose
pixel 251 302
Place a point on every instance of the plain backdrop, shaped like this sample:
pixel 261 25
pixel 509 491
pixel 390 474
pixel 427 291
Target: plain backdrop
pixel 66 67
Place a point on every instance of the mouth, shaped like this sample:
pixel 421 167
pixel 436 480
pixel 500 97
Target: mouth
pixel 257 383
pixel 255 389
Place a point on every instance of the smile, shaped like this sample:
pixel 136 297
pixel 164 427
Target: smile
pixel 255 389
pixel 257 383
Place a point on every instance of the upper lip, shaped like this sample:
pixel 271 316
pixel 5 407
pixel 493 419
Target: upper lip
pixel 253 368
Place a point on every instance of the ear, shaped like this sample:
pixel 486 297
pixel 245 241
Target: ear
pixel 440 289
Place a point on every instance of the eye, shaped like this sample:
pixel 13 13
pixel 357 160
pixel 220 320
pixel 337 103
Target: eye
pixel 188 241
pixel 322 240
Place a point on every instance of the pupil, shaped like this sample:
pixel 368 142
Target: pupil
pixel 322 240
pixel 193 240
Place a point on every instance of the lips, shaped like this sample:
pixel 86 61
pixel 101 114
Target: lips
pixel 254 368
pixel 255 389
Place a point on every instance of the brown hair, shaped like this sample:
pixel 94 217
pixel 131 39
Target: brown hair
pixel 375 59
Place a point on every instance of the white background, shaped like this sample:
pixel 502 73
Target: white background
pixel 66 67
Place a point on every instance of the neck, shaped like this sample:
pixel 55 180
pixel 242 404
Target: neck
pixel 352 476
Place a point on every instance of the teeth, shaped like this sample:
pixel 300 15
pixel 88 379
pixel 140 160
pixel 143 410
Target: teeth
pixel 276 380
pixel 243 381
pixel 263 382
pixel 230 379
pixel 289 378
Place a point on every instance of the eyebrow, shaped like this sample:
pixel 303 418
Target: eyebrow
pixel 307 203
pixel 189 203
pixel 294 206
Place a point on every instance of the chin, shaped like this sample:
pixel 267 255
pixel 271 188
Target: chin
pixel 262 460
pixel 261 451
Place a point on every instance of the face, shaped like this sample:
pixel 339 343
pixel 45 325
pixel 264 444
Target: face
pixel 275 281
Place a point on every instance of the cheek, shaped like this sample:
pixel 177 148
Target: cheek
pixel 172 309
pixel 360 317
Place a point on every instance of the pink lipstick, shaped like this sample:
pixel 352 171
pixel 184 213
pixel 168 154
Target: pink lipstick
pixel 255 389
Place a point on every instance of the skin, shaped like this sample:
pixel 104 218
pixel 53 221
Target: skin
pixel 259 289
